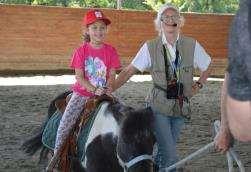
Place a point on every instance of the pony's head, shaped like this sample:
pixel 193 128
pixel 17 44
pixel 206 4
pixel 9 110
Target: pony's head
pixel 136 141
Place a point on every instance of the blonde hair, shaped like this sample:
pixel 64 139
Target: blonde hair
pixel 163 8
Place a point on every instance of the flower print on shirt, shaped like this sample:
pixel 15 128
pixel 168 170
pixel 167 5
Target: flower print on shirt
pixel 95 71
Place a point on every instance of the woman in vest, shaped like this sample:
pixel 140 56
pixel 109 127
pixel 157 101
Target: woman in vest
pixel 170 58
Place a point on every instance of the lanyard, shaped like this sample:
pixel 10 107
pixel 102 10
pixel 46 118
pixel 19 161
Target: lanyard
pixel 175 65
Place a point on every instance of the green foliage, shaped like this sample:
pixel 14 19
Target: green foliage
pixel 155 4
pixel 201 6
pixel 136 4
pixel 28 2
pixel 65 3
pixel 208 6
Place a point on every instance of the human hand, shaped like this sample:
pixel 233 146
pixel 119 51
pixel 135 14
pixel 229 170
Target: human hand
pixel 109 90
pixel 195 89
pixel 223 141
pixel 99 91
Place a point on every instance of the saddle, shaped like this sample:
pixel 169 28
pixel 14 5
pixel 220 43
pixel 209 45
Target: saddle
pixel 70 147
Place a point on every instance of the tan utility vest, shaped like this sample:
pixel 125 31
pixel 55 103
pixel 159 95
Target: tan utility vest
pixel 157 97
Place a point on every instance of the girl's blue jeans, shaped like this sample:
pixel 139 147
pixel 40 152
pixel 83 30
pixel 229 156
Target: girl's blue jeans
pixel 167 131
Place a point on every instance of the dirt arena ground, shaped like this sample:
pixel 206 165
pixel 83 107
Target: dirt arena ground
pixel 23 108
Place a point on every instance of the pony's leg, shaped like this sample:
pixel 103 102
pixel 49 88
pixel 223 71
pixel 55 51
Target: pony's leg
pixel 69 118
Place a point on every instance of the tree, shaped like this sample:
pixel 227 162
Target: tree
pixel 201 6
pixel 136 4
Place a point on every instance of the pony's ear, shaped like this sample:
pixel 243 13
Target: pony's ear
pixel 125 110
pixel 68 97
pixel 120 108
pixel 60 105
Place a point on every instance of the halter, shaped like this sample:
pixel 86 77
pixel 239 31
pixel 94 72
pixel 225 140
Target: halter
pixel 127 165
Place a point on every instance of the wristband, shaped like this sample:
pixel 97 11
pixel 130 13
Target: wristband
pixel 199 84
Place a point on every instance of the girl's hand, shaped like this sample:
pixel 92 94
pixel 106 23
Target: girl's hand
pixel 99 91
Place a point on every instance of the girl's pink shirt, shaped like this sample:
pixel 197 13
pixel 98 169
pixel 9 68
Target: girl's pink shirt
pixel 96 65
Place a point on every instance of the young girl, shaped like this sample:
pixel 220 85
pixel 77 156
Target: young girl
pixel 94 63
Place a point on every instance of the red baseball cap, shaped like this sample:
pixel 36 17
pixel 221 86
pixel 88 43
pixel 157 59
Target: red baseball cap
pixel 93 15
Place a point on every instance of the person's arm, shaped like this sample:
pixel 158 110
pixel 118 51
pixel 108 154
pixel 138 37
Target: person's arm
pixel 201 81
pixel 110 82
pixel 202 61
pixel 224 137
pixel 111 79
pixel 141 62
pixel 204 75
pixel 79 74
pixel 239 118
pixel 124 75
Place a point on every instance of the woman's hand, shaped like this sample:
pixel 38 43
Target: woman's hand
pixel 195 89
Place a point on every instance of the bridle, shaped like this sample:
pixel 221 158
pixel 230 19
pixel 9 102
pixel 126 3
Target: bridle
pixel 135 160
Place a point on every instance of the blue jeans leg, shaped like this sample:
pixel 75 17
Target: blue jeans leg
pixel 167 130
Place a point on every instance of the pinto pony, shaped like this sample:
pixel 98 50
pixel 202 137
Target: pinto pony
pixel 120 139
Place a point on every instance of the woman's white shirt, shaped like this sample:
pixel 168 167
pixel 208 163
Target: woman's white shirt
pixel 142 60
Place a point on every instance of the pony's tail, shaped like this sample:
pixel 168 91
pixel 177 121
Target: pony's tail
pixel 32 145
pixel 43 155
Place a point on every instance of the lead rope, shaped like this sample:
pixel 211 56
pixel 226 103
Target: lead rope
pixel 231 155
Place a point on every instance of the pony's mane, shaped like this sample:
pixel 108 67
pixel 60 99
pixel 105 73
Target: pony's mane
pixel 137 125
pixel 136 135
